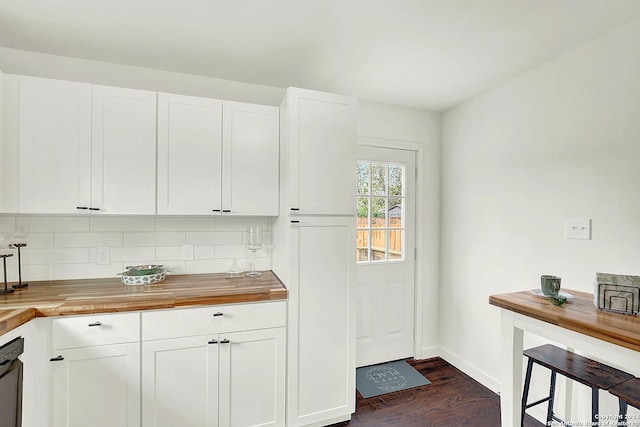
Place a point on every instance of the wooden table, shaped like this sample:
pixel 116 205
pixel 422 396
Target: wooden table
pixel 577 324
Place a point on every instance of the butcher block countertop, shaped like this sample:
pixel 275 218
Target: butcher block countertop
pixel 578 314
pixel 87 296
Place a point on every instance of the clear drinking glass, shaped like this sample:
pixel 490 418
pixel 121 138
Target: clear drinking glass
pixel 254 244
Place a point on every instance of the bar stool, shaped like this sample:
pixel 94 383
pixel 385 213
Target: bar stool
pixel 594 375
pixel 628 393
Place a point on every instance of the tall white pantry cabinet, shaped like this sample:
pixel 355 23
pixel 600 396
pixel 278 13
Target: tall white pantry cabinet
pixel 314 253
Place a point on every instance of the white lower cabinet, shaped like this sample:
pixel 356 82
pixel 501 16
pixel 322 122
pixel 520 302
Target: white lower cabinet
pixel 95 368
pixel 227 377
pixel 97 386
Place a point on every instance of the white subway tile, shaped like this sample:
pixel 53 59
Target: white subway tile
pixel 229 251
pixel 37 224
pixel 156 238
pixel 214 238
pixel 88 240
pixel 226 223
pixel 40 240
pixel 73 255
pixel 32 273
pixel 207 266
pixel 7 224
pixel 86 271
pixel 30 256
pixel 130 254
pixel 204 252
pixel 169 252
pixel 122 223
pixel 185 224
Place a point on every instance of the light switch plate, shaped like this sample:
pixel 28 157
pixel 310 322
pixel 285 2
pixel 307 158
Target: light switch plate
pixel 578 228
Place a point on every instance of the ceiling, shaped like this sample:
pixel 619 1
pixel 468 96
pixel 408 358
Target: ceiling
pixel 429 54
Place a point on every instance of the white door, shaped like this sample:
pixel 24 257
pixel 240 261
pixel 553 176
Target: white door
pixel 55 146
pixel 252 375
pixel 97 386
pixel 180 382
pixel 321 326
pixel 189 155
pixel 386 255
pixel 250 156
pixel 123 151
pixel 322 137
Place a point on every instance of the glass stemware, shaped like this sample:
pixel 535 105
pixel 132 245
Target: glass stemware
pixel 254 244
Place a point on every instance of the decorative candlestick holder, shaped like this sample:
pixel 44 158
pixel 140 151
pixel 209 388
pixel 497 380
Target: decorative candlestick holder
pixel 20 284
pixel 6 290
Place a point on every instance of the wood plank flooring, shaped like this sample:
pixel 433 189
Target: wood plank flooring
pixel 452 399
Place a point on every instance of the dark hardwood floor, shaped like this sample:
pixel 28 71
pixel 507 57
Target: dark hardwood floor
pixel 452 399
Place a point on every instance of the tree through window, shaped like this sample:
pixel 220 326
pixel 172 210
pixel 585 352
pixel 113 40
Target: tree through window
pixel 381 204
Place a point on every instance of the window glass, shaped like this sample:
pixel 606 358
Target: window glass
pixel 381 203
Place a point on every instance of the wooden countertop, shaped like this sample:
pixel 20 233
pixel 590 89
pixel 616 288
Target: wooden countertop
pixel 72 297
pixel 577 314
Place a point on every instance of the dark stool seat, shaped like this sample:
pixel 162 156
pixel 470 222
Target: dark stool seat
pixel 588 372
pixel 628 393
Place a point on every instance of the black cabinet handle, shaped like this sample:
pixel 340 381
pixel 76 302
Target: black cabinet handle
pixel 215 210
pixel 94 209
pixel 295 209
pixel 213 342
pixel 81 207
pixel 95 324
pixel 217 314
pixel 56 359
pixel 224 341
pixel 295 222
pixel 226 210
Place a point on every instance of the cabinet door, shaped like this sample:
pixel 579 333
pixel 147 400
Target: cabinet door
pixel 189 155
pixel 252 375
pixel 250 154
pixel 180 382
pixel 123 151
pixel 321 328
pixel 97 386
pixel 322 141
pixel 55 145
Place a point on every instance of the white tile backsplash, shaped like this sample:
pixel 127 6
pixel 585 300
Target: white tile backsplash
pixel 87 240
pixel 64 247
pixel 122 223
pixel 37 224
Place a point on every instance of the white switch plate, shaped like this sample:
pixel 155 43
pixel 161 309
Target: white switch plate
pixel 579 228
pixel 187 253
pixel 103 256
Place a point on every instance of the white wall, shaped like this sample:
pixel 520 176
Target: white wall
pixel 561 141
pixel 397 126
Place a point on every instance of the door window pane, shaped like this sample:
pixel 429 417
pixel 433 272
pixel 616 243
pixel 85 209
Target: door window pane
pixel 381 201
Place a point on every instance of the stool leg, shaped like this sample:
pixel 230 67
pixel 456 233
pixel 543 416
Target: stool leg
pixel 622 416
pixel 552 393
pixel 594 406
pixel 525 392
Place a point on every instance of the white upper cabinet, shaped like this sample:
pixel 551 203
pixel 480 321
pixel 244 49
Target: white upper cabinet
pixel 216 157
pixel 55 145
pixel 123 151
pixel 189 155
pixel 320 145
pixel 250 159
pixel 85 148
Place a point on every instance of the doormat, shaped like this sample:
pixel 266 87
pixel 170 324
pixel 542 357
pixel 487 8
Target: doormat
pixel 386 378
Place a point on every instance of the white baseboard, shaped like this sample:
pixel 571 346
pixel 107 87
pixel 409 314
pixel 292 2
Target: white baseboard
pixel 469 369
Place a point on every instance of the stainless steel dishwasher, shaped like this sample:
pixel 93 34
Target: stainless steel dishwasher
pixel 11 383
